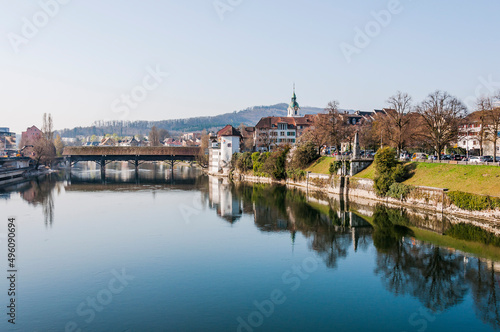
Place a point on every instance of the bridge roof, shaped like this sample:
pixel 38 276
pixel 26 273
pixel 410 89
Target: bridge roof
pixel 130 151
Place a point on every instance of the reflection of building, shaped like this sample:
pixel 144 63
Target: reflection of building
pixel 222 148
pixel 223 200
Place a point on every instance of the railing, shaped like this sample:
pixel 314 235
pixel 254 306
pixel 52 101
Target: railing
pixel 454 162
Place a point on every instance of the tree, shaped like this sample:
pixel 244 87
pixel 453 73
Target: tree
pixel 202 158
pixel 59 145
pixel 331 127
pixel 44 150
pixel 303 155
pixel 163 134
pixel 247 141
pixel 154 136
pixel 492 117
pixel 47 127
pixel 398 120
pixel 441 114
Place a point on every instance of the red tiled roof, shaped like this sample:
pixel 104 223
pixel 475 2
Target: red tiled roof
pixel 228 131
pixel 272 121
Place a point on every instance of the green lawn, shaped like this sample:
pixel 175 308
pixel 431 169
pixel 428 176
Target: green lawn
pixel 322 165
pixel 474 179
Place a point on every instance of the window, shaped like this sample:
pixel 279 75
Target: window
pixel 228 145
pixel 282 133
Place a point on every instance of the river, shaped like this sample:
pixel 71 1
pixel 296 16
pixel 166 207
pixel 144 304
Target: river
pixel 190 252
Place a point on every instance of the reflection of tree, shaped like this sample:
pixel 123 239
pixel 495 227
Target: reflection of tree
pixel 431 274
pixel 485 291
pixel 41 193
pixel 439 284
pixel 281 209
pixel 331 246
pixel 393 256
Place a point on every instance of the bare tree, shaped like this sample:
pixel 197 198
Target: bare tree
pixel 47 127
pixel 484 106
pixel 154 137
pixel 331 127
pixel 202 158
pixel 163 134
pixel 44 150
pixel 441 114
pixel 398 119
pixel 493 119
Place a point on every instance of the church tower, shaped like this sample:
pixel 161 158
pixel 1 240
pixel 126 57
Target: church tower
pixel 293 108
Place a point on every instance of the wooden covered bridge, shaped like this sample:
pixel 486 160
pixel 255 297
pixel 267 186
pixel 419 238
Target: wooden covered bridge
pixel 102 155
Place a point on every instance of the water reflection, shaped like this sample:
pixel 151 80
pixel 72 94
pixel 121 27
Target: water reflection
pixel 438 277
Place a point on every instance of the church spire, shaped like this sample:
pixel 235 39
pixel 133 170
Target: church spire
pixel 293 108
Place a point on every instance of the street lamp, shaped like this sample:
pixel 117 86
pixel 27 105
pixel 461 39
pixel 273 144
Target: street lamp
pixel 307 184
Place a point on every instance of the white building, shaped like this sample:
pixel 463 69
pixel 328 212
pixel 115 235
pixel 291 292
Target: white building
pixel 222 149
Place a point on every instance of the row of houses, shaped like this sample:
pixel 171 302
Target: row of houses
pixel 272 131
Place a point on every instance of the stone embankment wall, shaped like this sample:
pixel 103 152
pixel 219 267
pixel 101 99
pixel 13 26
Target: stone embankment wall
pixel 426 198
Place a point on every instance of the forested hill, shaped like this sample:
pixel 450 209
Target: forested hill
pixel 248 117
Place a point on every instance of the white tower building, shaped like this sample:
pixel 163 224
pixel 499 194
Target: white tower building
pixel 294 108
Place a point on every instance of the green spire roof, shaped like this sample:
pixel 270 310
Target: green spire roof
pixel 294 103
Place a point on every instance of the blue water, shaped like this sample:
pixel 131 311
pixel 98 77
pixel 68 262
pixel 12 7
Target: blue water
pixel 201 255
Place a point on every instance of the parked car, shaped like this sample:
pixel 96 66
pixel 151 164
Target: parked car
pixel 458 157
pixel 432 157
pixel 488 159
pixel 446 157
pixel 477 159
pixel 419 155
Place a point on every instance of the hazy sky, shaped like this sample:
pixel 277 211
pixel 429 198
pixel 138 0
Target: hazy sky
pixel 96 60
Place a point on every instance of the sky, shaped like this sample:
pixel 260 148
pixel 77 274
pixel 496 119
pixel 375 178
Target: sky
pixel 91 60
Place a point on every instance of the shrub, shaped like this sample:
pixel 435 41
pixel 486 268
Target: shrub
pixel 382 184
pixel 388 172
pixel 258 160
pixel 472 202
pixel 400 173
pixel 334 167
pixel 305 154
pixel 385 160
pixel 399 190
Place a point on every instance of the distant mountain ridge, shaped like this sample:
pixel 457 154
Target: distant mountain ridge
pixel 248 117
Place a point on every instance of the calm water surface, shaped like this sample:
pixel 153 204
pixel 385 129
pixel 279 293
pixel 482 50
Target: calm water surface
pixel 193 253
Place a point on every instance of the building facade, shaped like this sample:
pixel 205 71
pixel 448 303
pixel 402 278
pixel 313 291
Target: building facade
pixel 271 132
pixel 8 143
pixel 221 150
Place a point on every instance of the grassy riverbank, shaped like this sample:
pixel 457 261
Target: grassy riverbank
pixel 483 180
pixel 321 166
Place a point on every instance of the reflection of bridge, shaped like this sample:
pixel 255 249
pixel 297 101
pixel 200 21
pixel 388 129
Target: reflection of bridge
pixel 102 155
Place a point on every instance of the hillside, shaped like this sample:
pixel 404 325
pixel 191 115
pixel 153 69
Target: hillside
pixel 249 117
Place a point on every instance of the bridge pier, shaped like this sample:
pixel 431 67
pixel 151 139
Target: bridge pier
pixel 103 168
